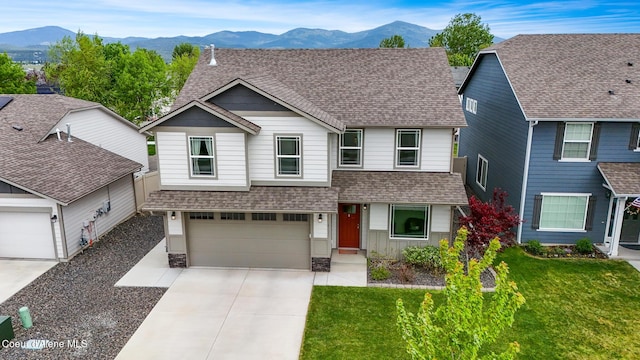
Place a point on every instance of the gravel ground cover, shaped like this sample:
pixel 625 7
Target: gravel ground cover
pixel 76 311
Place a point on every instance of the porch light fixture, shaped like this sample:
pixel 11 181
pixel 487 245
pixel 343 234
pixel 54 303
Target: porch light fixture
pixel 364 207
pixel 54 218
pixel 319 218
pixel 173 215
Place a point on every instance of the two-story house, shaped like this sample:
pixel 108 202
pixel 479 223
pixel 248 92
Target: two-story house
pixel 272 158
pixel 553 120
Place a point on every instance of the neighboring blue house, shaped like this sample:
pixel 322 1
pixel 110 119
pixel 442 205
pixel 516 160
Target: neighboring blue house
pixel 553 120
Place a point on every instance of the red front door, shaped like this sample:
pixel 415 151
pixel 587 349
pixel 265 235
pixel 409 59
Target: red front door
pixel 349 226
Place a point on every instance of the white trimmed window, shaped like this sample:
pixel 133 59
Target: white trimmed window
pixel 577 141
pixel 564 212
pixel 351 148
pixel 201 155
pixel 407 147
pixel 471 105
pixel 288 155
pixel 409 222
pixel 481 172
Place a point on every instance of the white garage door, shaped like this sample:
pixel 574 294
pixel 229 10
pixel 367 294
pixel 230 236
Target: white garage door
pixel 249 243
pixel 26 235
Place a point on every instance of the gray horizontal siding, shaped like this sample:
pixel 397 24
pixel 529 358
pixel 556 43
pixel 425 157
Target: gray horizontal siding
pixel 498 131
pixel 196 117
pixel 241 98
pixel 548 175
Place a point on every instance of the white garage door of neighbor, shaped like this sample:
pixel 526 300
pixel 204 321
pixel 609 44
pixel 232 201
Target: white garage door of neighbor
pixel 254 244
pixel 26 235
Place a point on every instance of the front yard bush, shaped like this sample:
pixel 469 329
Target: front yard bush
pixel 380 272
pixel 584 246
pixel 427 257
pixel 534 247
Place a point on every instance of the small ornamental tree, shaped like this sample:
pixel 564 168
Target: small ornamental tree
pixel 488 220
pixel 463 325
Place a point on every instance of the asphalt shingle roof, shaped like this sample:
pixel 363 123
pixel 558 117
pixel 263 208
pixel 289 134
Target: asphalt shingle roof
pixel 569 76
pixel 302 199
pixel 61 170
pixel 624 178
pixel 358 87
pixel 399 187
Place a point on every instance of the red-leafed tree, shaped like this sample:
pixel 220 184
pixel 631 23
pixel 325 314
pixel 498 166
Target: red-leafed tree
pixel 487 220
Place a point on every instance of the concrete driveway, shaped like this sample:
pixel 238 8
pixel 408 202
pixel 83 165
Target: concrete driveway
pixel 210 313
pixel 16 274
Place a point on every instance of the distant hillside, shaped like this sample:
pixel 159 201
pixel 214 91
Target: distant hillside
pixel 31 45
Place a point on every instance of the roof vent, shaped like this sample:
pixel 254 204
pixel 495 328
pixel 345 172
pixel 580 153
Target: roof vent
pixel 611 92
pixel 4 100
pixel 17 127
pixel 629 64
pixel 628 81
pixel 213 57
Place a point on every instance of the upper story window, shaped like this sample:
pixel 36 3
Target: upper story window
pixel 288 155
pixel 481 172
pixel 577 141
pixel 351 148
pixel 201 154
pixel 407 147
pixel 471 105
pixel 634 141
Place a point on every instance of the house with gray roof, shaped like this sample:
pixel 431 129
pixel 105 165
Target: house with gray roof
pixel 554 121
pixel 66 174
pixel 275 158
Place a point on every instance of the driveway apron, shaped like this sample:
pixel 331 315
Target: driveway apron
pixel 210 313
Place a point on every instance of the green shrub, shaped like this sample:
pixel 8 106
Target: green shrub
pixel 534 247
pixel 584 246
pixel 380 273
pixel 427 257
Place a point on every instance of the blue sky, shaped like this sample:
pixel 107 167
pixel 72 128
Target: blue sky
pixel 121 18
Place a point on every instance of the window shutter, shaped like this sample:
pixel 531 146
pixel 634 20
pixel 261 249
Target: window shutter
pixel 537 207
pixel 595 137
pixel 588 225
pixel 633 141
pixel 557 151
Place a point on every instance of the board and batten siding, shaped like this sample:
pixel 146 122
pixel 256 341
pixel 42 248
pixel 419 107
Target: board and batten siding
pixel 101 129
pixel 498 132
pixel 547 175
pixel 173 161
pixel 315 152
pixel 28 201
pixel 121 196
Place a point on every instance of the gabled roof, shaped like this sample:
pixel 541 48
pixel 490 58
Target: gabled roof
pixel 60 170
pixel 213 109
pixel 358 87
pixel 572 76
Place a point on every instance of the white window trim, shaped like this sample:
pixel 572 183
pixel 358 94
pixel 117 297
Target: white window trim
pixel 471 105
pixel 638 143
pixel 427 224
pixel 564 141
pixel 342 147
pixel 482 161
pixel 584 221
pixel 212 157
pixel 299 156
pixel 414 148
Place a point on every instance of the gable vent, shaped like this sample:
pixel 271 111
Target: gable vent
pixel 4 100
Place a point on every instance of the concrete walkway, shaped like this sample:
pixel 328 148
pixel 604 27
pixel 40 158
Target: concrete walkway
pixel 152 270
pixel 16 274
pixel 346 270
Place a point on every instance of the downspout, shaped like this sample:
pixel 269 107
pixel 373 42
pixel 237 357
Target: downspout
pixel 525 177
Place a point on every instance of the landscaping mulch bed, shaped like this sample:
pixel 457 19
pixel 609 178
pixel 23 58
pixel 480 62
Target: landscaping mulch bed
pixel 75 305
pixel 422 277
pixel 567 251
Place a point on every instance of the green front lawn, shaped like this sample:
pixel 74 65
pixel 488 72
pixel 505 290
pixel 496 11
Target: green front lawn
pixel 576 309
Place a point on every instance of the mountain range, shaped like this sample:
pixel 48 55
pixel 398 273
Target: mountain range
pixel 31 45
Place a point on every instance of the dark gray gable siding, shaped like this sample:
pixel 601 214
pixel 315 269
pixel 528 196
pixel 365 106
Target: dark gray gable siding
pixel 498 131
pixel 196 117
pixel 10 189
pixel 241 98
pixel 549 175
